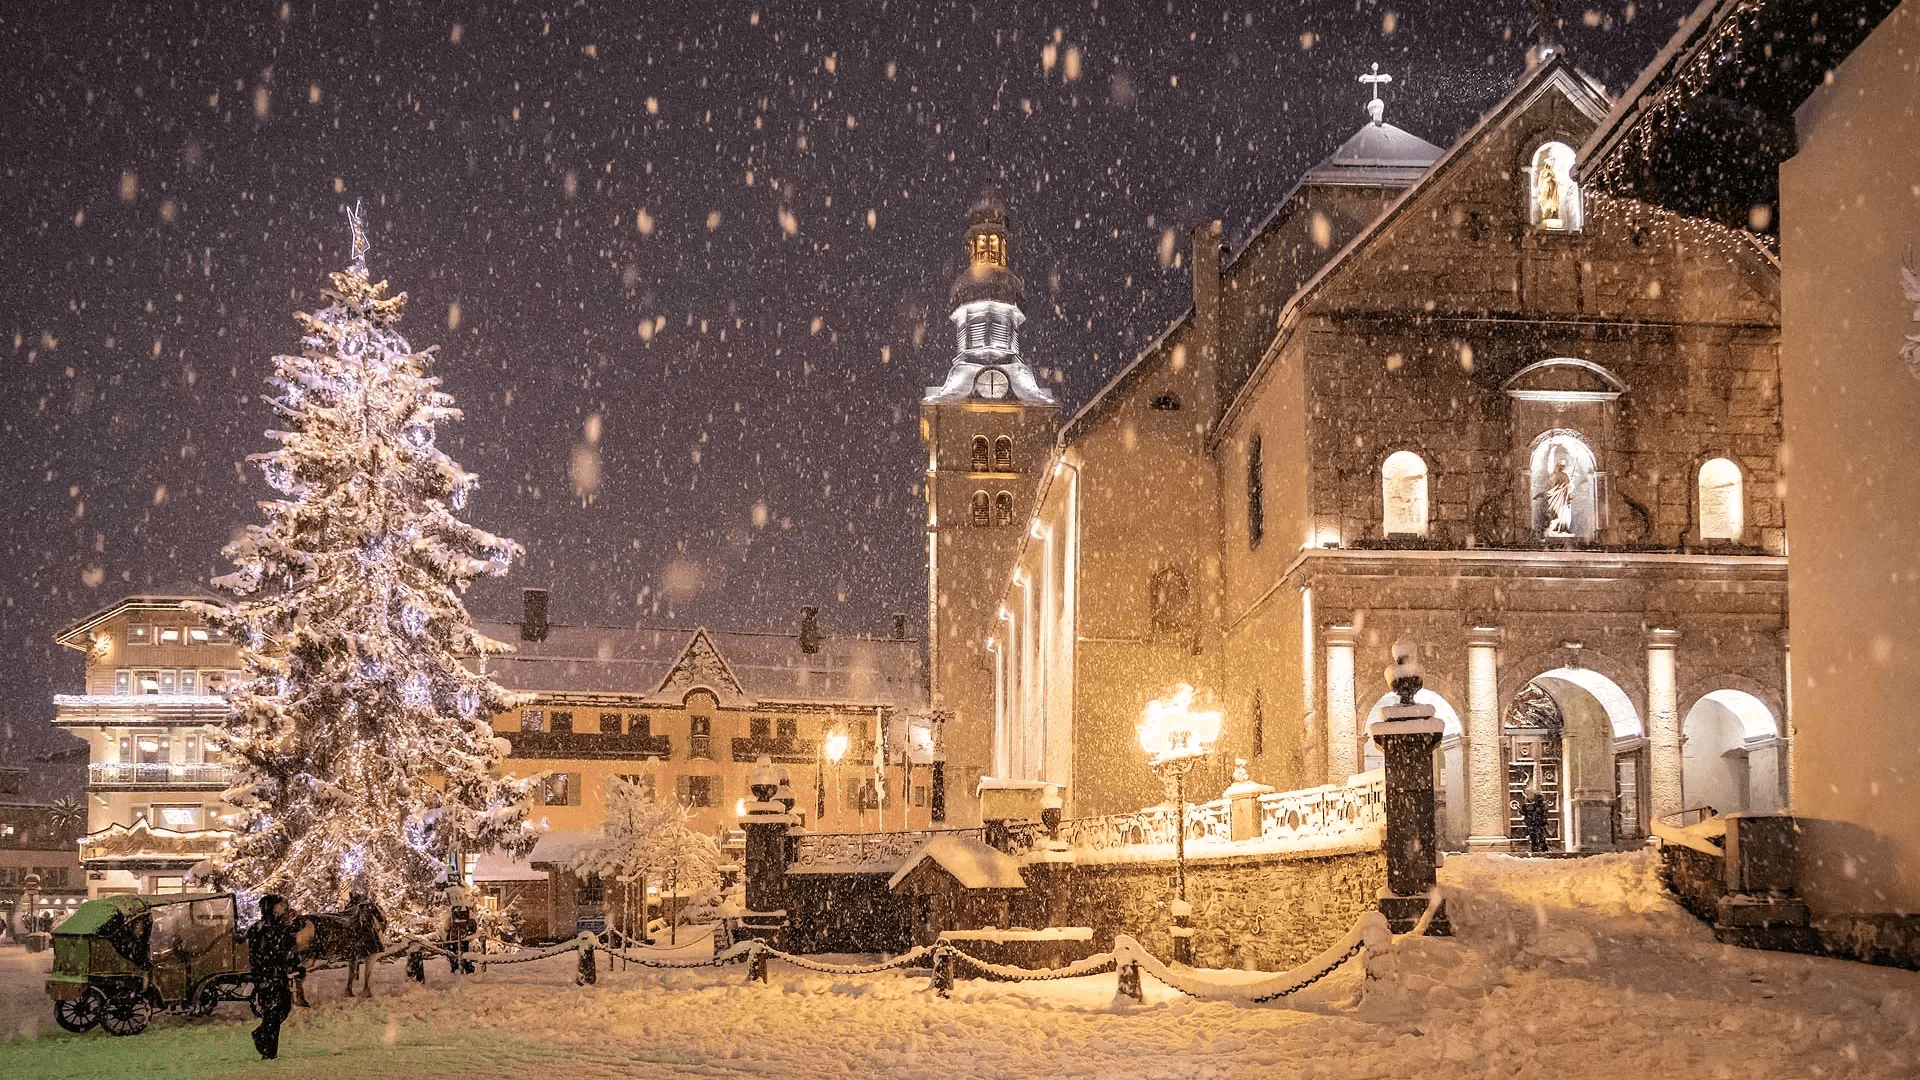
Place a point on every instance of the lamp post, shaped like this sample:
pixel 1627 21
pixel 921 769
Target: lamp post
pixel 1176 737
pixel 835 746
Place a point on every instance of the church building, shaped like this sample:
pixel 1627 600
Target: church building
pixel 1445 394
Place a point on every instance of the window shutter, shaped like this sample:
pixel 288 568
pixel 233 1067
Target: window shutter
pixel 573 789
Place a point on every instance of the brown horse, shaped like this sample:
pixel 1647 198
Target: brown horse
pixel 352 936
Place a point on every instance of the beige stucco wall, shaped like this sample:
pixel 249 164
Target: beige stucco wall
pixel 1850 216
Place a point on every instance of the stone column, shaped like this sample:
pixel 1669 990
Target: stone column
pixel 766 827
pixel 1343 725
pixel 1486 765
pixel 1663 724
pixel 1407 734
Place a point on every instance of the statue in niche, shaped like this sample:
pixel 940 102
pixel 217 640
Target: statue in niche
pixel 1547 191
pixel 1558 496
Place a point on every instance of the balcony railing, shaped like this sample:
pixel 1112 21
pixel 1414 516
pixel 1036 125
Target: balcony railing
pixel 700 746
pixel 158 774
pixel 589 746
pixel 87 710
pixel 781 751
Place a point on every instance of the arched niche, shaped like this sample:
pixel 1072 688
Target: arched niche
pixel 1403 495
pixel 1553 198
pixel 1722 500
pixel 1564 479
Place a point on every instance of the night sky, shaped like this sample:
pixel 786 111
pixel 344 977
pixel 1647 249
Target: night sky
pixel 686 262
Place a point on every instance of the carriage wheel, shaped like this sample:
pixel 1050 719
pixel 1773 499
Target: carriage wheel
pixel 80 1014
pixel 126 1013
pixel 206 999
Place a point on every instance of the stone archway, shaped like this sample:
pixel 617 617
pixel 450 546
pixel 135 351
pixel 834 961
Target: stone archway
pixel 1730 756
pixel 1573 736
pixel 1449 766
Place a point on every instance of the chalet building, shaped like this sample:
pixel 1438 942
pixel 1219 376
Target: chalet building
pixel 685 714
pixel 1446 394
pixel 152 687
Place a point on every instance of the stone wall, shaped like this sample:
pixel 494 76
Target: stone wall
pixel 1267 912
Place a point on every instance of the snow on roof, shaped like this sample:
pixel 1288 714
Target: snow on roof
pixel 971 862
pixel 659 662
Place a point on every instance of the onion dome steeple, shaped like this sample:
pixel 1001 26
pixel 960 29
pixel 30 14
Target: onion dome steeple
pixel 986 318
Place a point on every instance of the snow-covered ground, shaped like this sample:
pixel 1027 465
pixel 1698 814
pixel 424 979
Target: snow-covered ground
pixel 1562 969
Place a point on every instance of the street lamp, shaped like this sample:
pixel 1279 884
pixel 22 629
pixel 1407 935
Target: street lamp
pixel 1176 736
pixel 836 748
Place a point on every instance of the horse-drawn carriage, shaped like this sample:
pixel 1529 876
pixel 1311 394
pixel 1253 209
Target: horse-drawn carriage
pixel 118 958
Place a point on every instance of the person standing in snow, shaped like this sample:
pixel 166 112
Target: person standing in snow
pixel 270 951
pixel 1534 812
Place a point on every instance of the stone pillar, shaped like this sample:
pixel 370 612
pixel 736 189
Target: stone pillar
pixel 1486 764
pixel 1663 724
pixel 1343 725
pixel 1407 734
pixel 766 827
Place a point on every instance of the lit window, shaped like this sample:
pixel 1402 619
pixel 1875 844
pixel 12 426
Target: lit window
pixel 123 682
pixel 179 818
pixel 1553 199
pixel 1403 495
pixel 982 508
pixel 1722 505
pixel 189 681
pixel 139 633
pixel 169 682
pixel 146 682
pixel 1003 508
pixel 169 635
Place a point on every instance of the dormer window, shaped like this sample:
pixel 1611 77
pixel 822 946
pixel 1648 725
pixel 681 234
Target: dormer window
pixel 1553 199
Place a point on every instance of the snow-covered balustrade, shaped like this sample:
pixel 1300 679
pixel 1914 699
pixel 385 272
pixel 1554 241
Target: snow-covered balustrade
pixel 883 852
pixel 1330 816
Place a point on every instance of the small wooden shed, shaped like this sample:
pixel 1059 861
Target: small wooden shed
pixel 956 883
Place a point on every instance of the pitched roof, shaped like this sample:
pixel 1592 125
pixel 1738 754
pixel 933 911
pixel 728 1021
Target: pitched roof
pixel 73 637
pixel 1557 71
pixel 972 863
pixel 641 662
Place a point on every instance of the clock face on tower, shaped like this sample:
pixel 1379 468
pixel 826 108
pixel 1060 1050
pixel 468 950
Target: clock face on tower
pixel 991 383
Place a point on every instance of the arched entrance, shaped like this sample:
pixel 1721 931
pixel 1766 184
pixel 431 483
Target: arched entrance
pixel 1449 768
pixel 1730 754
pixel 1573 734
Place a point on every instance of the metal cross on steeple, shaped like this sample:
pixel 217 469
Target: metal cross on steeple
pixel 1376 108
pixel 356 221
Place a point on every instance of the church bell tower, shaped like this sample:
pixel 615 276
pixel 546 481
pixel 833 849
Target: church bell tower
pixel 988 429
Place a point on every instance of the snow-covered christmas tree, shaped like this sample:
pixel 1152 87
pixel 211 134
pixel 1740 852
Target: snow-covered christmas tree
pixel 362 734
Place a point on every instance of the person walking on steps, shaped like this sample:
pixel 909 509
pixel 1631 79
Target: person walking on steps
pixel 270 950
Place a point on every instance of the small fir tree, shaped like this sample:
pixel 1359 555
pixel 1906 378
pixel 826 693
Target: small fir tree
pixel 362 733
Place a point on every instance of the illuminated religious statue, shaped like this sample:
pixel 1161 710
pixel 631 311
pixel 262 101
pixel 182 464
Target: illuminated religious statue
pixel 1558 495
pixel 1547 191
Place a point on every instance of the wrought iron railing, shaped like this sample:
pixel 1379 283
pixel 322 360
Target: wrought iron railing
pixel 157 774
pixel 779 751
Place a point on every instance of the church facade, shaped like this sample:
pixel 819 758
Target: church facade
pixel 1442 394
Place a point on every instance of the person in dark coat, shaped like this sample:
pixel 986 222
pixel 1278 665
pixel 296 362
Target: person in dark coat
pixel 270 950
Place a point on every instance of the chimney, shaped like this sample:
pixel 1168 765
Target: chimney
pixel 809 630
pixel 899 626
pixel 533 619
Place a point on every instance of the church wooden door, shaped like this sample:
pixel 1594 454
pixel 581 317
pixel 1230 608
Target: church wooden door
pixel 1530 754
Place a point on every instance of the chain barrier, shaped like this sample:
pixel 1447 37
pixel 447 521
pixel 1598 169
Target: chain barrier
pixel 905 959
pixel 1097 964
